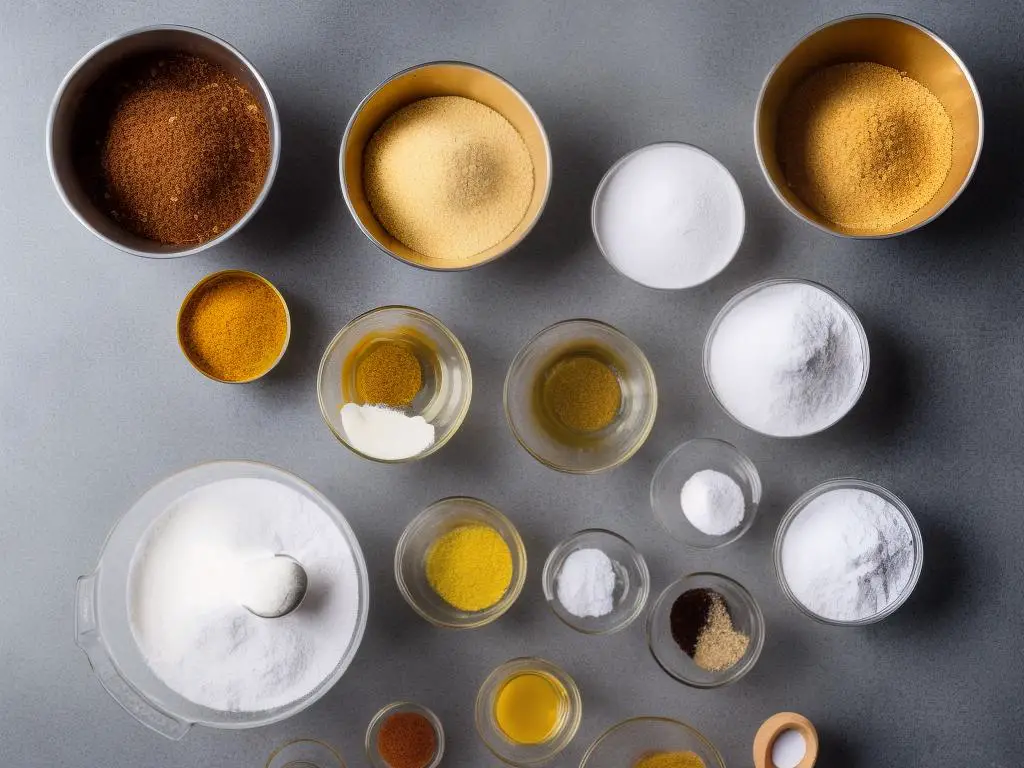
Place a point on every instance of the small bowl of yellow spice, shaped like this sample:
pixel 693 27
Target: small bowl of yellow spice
pixel 527 711
pixel 445 166
pixel 652 742
pixel 581 397
pixel 869 127
pixel 460 563
pixel 234 326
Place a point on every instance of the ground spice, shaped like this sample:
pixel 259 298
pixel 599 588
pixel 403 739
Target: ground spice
pixel 670 760
pixel 407 740
pixel 448 177
pixel 702 627
pixel 233 328
pixel 582 393
pixel 529 707
pixel 864 145
pixel 172 147
pixel 389 374
pixel 470 567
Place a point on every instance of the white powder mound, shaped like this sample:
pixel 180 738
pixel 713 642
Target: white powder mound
pixel 787 360
pixel 712 502
pixel 183 596
pixel 385 433
pixel 586 583
pixel 670 216
pixel 848 555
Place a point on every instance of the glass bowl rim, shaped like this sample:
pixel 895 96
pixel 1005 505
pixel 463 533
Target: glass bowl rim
pixel 622 724
pixel 291 742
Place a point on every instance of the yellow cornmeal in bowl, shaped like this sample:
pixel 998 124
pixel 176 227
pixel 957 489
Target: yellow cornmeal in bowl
pixel 470 567
pixel 448 177
pixel 670 760
pixel 864 145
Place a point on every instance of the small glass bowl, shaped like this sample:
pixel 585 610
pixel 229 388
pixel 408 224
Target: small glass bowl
pixel 746 617
pixel 745 294
pixel 373 732
pixel 411 556
pixel 632 581
pixel 625 743
pixel 599 451
pixel 210 280
pixel 494 738
pixel 847 483
pixel 679 466
pixel 305 753
pixel 447 379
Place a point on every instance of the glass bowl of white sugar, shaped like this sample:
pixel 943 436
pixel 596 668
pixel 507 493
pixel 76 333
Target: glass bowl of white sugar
pixel 596 582
pixel 668 216
pixel 848 552
pixel 705 493
pixel 786 358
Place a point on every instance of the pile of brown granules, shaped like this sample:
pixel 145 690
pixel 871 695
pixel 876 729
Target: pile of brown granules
pixel 702 627
pixel 172 147
pixel 448 177
pixel 864 145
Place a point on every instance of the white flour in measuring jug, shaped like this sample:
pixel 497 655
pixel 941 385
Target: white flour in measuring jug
pixel 183 596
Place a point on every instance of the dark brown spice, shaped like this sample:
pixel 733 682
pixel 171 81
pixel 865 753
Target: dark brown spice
pixel 688 616
pixel 702 627
pixel 172 147
pixel 407 740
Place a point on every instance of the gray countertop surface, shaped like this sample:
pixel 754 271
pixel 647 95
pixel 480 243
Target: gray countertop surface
pixel 97 404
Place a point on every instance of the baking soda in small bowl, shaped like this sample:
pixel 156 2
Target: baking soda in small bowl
pixel 668 216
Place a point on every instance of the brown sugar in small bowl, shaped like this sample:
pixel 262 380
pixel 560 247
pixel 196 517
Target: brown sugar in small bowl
pixel 64 112
pixel 441 78
pixel 187 304
pixel 893 42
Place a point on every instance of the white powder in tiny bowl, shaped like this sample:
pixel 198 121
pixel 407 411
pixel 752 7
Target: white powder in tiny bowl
pixel 183 596
pixel 669 216
pixel 585 584
pixel 787 360
pixel 385 433
pixel 848 555
pixel 713 502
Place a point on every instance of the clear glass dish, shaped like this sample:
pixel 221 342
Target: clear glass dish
pixel 103 628
pixel 305 753
pixel 860 485
pixel 625 743
pixel 514 753
pixel 746 617
pixel 679 466
pixel 592 452
pixel 411 554
pixel 373 732
pixel 447 379
pixel 746 293
pixel 632 581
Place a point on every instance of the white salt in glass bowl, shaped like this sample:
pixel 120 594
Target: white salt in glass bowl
pixel 849 483
pixel 679 466
pixel 632 581
pixel 729 250
pixel 103 628
pixel 745 294
pixel 447 378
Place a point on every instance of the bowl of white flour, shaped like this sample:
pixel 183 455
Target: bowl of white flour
pixel 848 552
pixel 162 621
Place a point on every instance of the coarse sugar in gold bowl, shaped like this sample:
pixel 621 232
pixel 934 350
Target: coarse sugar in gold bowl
pixel 869 127
pixel 445 166
pixel 234 326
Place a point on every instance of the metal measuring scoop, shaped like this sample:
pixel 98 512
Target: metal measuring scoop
pixel 272 587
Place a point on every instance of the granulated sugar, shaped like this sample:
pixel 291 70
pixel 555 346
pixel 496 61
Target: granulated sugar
pixel 787 360
pixel 670 216
pixel 184 596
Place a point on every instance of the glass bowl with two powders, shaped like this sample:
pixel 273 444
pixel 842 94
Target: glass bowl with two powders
pixel 581 397
pixel 394 384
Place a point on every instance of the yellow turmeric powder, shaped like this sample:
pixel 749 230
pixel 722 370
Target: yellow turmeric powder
pixel 470 567
pixel 234 327
pixel 670 760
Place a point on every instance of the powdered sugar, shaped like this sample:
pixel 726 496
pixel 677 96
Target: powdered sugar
pixel 183 596
pixel 712 502
pixel 787 360
pixel 586 583
pixel 385 433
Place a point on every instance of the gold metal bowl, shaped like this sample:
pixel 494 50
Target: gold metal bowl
pixel 441 78
pixel 894 42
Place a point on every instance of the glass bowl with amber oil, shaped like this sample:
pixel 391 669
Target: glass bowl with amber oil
pixel 394 384
pixel 580 397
